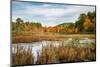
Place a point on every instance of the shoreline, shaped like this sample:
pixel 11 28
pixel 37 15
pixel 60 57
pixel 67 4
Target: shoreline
pixel 36 38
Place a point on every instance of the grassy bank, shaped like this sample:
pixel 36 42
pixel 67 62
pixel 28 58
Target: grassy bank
pixel 30 37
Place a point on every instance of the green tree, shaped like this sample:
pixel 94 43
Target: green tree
pixel 79 22
pixel 86 22
pixel 18 24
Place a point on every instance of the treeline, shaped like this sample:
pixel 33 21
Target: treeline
pixel 84 24
pixel 20 25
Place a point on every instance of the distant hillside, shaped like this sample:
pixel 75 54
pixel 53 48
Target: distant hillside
pixel 66 24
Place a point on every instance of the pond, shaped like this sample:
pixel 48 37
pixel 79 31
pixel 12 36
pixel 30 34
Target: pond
pixel 37 46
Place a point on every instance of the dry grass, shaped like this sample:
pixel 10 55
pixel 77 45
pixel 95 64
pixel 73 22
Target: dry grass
pixel 64 54
pixel 27 38
pixel 51 54
pixel 34 38
pixel 47 56
pixel 22 56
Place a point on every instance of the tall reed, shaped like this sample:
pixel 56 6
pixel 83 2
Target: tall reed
pixel 22 56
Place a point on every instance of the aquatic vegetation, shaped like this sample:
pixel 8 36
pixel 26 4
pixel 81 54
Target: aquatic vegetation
pixel 63 54
pixel 22 56
pixel 55 52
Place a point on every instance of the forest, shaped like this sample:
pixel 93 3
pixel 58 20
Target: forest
pixel 85 23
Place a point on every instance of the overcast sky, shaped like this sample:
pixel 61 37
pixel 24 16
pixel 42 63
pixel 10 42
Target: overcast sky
pixel 48 14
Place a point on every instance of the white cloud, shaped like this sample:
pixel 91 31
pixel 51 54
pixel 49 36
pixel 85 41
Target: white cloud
pixel 50 13
pixel 56 11
pixel 46 5
pixel 45 11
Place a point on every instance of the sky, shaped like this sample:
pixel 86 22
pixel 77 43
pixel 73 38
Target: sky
pixel 46 13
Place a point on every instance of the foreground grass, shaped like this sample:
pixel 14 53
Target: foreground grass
pixel 64 54
pixel 29 37
pixel 50 54
pixel 22 56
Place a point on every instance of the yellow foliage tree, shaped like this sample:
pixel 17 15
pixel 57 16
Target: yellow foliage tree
pixel 86 23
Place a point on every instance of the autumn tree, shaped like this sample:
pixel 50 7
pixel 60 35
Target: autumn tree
pixel 79 23
pixel 86 22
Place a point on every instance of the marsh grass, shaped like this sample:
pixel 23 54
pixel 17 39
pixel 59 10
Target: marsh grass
pixel 22 56
pixel 54 54
pixel 27 37
pixel 63 54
